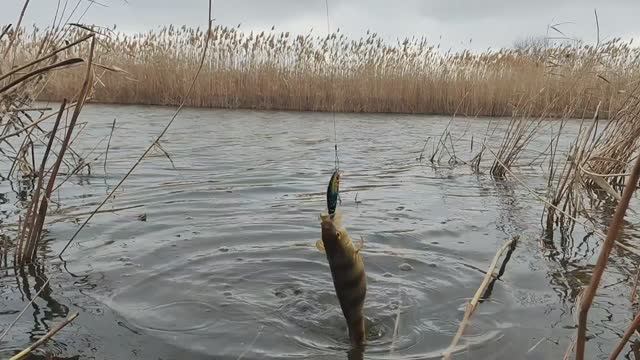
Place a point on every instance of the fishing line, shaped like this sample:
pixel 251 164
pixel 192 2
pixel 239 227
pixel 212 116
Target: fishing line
pixel 333 192
pixel 333 105
pixel 333 195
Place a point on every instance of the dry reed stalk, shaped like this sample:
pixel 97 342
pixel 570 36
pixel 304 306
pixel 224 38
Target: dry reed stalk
pixel 106 154
pixel 477 159
pixel 29 220
pixel 16 94
pixel 271 70
pixel 447 134
pixel 569 190
pixel 20 160
pixel 520 132
pixel 612 234
pixel 423 149
pixel 617 143
pixel 588 227
pixel 5 31
pixel 572 342
pixel 536 345
pixel 12 38
pixel 157 139
pixel 25 77
pixel 30 237
pixel 46 57
pixel 471 306
pixel 31 109
pixel 102 211
pixel 634 289
pixel 32 125
pixel 35 236
pixel 635 324
pixel 46 337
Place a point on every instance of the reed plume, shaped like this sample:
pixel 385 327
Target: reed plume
pixel 279 70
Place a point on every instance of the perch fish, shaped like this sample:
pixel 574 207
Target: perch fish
pixel 347 266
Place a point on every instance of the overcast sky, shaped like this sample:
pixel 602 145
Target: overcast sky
pixel 474 24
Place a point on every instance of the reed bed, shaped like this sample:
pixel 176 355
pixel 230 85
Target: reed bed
pixel 602 162
pixel 279 70
pixel 23 77
pixel 596 165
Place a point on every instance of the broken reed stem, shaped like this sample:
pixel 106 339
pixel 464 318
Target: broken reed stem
pixel 104 211
pixel 43 339
pixel 30 109
pixel 20 157
pixel 627 334
pixel 106 154
pixel 471 306
pixel 536 345
pixel 162 133
pixel 612 234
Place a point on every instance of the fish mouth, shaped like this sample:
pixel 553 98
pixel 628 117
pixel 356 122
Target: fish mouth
pixel 329 231
pixel 326 221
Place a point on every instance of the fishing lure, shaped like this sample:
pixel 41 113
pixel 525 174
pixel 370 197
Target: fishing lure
pixel 333 192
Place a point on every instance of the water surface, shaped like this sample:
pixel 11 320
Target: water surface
pixel 218 259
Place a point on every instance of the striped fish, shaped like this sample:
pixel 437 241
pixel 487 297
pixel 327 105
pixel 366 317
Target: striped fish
pixel 347 271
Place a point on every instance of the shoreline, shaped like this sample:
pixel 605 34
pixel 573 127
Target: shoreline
pixel 324 111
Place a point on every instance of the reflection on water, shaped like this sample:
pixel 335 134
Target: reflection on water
pixel 224 266
pixel 52 309
pixel 30 284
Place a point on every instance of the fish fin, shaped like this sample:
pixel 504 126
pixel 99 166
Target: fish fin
pixel 359 245
pixel 320 246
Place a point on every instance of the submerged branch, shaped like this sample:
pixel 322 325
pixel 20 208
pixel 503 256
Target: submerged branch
pixel 43 339
pixel 471 306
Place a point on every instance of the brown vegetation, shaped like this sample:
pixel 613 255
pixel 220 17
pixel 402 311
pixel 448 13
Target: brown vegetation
pixel 322 73
pixel 223 67
pixel 597 167
pixel 23 75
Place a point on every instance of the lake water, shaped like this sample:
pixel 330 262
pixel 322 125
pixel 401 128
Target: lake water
pixel 224 264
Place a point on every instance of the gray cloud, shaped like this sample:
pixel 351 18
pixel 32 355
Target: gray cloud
pixel 454 23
